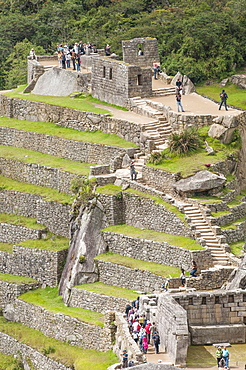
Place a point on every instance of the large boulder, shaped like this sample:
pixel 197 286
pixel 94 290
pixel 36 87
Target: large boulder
pixel 225 135
pixel 201 181
pixel 188 86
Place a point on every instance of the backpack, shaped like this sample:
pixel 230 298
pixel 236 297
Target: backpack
pixel 157 339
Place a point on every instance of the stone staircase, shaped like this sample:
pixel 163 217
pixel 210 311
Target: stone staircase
pixel 205 231
pixel 164 91
pixel 159 131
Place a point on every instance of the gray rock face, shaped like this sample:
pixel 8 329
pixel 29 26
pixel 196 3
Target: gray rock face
pixel 237 279
pixel 221 133
pixel 188 86
pixel 202 181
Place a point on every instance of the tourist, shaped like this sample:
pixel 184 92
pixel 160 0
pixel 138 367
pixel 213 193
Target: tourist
pixel 225 356
pixel 107 50
pixel 133 172
pixel 153 329
pixel 145 344
pixel 182 277
pixel 218 354
pixel 221 364
pixel 32 54
pixel 155 68
pixel 136 326
pixel 194 269
pixel 165 286
pixel 178 100
pixel 77 62
pixel 147 330
pixel 140 51
pixel 156 340
pixel 68 59
pixel 135 336
pixel 124 359
pixel 223 97
pixel 63 59
pixel 73 58
pixel 179 86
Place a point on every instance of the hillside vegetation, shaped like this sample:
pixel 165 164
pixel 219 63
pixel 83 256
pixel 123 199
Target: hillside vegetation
pixel 202 39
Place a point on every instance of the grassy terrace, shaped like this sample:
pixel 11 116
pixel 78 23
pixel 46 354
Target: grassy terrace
pixel 233 225
pixel 237 248
pixel 220 213
pixel 179 241
pixel 30 156
pixel 101 288
pixel 115 190
pixel 48 128
pixel 207 199
pixel 6 247
pixel 154 268
pixel 51 301
pixel 71 356
pixel 52 243
pixel 8 362
pixel 47 194
pixel 14 219
pixel 15 279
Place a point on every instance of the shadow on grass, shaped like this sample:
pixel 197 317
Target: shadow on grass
pixel 199 356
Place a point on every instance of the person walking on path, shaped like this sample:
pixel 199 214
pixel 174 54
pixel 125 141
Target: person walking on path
pixel 133 172
pixel 155 67
pixel 194 269
pixel 223 97
pixel 218 354
pixel 179 104
pixel 225 356
pixel 145 344
pixel 124 359
pixel 156 340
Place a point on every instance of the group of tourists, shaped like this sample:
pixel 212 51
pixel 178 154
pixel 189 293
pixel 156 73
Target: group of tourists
pixel 69 56
pixel 222 356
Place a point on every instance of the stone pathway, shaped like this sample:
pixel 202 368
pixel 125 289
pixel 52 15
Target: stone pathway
pixel 153 358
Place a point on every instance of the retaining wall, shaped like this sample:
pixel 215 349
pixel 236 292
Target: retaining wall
pixel 44 266
pixel 96 302
pixel 152 251
pixel 16 234
pixel 10 291
pixel 61 327
pixel 158 179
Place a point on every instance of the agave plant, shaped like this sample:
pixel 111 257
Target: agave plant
pixel 186 142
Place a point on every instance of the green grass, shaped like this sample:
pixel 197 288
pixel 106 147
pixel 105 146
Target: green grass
pixel 71 356
pixel 52 243
pixel 47 194
pixel 236 248
pixel 62 101
pixel 237 200
pixel 30 156
pixel 233 225
pixel 8 362
pixel 14 219
pixel 109 189
pixel 6 247
pixel 207 199
pixel 89 98
pixel 179 241
pixel 15 279
pixel 48 128
pixel 154 268
pixel 236 94
pixel 51 301
pixel 204 356
pixel 220 213
pixel 109 290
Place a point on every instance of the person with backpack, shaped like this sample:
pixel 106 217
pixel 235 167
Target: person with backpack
pixel 156 340
pixel 223 97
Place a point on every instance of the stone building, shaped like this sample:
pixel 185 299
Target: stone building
pixel 140 51
pixel 115 81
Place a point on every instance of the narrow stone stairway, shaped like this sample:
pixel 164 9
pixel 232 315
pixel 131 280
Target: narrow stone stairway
pixel 164 91
pixel 205 232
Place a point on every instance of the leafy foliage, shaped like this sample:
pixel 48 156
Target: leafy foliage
pixel 156 158
pixel 184 143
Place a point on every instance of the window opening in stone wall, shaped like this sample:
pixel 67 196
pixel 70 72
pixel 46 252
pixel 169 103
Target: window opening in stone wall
pixel 217 300
pixel 244 320
pixel 190 301
pixel 231 299
pixel 110 73
pixel 140 80
pixel 244 298
pixel 177 300
pixel 140 49
pixel 204 300
pixel 104 72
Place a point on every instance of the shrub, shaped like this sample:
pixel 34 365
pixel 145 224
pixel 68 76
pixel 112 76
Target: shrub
pixel 156 158
pixel 185 142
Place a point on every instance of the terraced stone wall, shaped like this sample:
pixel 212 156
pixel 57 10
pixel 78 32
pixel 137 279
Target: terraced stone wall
pixel 10 291
pixel 10 346
pixel 96 302
pixel 115 82
pixel 64 328
pixel 135 279
pixel 114 208
pixel 69 149
pixel 53 215
pixel 235 235
pixel 42 265
pixel 160 180
pixel 16 233
pixel 210 279
pixel 37 174
pixel 236 213
pixel 152 251
pixel 67 117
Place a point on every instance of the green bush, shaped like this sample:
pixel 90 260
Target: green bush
pixel 185 142
pixel 156 158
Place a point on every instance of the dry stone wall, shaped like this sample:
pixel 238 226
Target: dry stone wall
pixel 96 302
pixel 235 235
pixel 158 179
pixel 113 274
pixel 10 291
pixel 16 234
pixel 42 265
pixel 53 215
pixel 61 327
pixel 149 48
pixel 59 147
pixel 151 251
pixel 37 174
pixel 10 346
pixel 209 279
pixel 67 117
